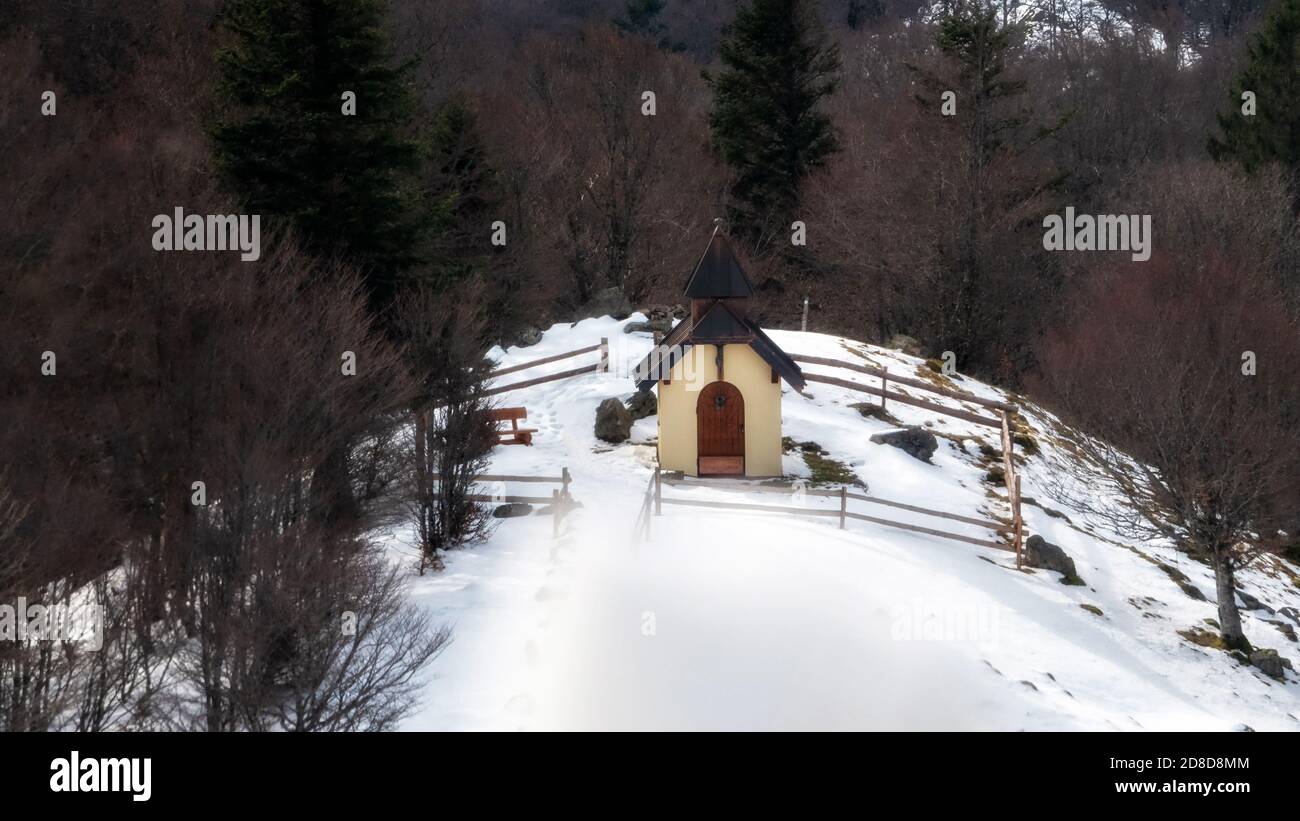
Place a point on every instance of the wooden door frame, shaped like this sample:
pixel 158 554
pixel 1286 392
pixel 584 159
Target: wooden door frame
pixel 715 464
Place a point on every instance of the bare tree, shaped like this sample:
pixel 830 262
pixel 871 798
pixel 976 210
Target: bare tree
pixel 450 432
pixel 1187 441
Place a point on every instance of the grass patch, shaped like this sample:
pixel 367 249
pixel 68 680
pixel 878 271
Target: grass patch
pixel 995 476
pixel 1093 609
pixel 1027 444
pixel 932 371
pixel 1204 638
pixel 826 470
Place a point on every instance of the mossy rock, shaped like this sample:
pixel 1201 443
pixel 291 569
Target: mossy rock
pixel 1179 578
pixel 1093 609
pixel 872 410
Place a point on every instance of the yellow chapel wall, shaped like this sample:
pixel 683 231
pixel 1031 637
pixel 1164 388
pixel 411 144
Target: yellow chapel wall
pixel 742 367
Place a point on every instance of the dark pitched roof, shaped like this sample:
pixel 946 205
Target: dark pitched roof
pixel 777 358
pixel 718 274
pixel 718 326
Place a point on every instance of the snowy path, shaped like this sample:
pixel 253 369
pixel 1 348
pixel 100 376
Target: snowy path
pixel 737 620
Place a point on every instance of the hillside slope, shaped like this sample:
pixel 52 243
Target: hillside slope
pixel 752 620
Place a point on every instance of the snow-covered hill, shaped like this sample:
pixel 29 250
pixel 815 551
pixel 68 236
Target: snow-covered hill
pixel 751 620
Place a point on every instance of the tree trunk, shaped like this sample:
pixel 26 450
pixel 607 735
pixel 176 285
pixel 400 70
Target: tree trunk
pixel 1229 617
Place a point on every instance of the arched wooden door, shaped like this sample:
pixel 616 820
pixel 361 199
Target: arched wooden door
pixel 720 421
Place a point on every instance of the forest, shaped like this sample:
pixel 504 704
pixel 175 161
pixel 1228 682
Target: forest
pixel 205 443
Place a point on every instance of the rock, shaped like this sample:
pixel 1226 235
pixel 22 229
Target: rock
pixel 512 510
pixel 662 326
pixel 528 336
pixel 904 343
pixel 1041 553
pixel 1285 629
pixel 643 404
pixel 912 440
pixel 1251 603
pixel 607 302
pixel 613 421
pixel 668 312
pixel 1290 612
pixel 1270 663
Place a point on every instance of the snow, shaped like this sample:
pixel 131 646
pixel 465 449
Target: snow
pixel 746 620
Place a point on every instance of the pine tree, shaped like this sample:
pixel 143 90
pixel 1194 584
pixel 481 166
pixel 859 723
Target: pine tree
pixel 765 120
pixel 346 183
pixel 462 193
pixel 1272 73
pixel 641 17
pixel 985 146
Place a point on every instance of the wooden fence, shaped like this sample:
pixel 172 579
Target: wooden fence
pixel 560 500
pixel 601 367
pixel 1001 422
pixel 654 500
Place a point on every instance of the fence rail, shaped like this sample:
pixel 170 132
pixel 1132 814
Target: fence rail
pixel 560 500
pixel 657 481
pixel 881 373
pixel 906 400
pixel 1017 526
pixel 601 367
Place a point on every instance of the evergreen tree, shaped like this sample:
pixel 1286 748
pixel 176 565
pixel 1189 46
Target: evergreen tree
pixel 463 194
pixel 642 17
pixel 344 182
pixel 765 121
pixel 1272 73
pixel 991 176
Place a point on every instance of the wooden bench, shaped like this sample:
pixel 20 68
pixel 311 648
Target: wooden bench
pixel 515 435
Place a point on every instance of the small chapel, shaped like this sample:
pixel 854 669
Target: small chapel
pixel 719 378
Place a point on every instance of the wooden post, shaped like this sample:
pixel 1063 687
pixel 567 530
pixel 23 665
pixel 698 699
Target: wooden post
pixel 844 504
pixel 803 325
pixel 555 513
pixel 1012 481
pixel 604 354
pixel 659 494
pixel 565 479
pixel 1019 524
pixel 884 389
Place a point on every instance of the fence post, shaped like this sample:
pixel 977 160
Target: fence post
pixel 659 495
pixel 555 513
pixel 803 324
pixel 884 389
pixel 844 504
pixel 565 479
pixel 604 354
pixel 1019 524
